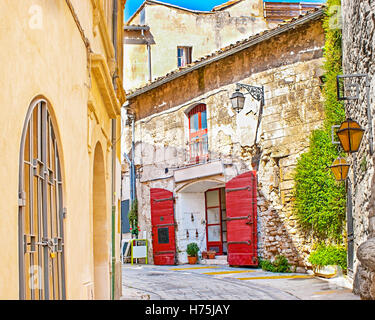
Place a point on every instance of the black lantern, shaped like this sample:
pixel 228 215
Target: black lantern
pixel 238 101
pixel 350 135
pixel 340 169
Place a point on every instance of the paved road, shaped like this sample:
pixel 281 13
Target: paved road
pixel 199 282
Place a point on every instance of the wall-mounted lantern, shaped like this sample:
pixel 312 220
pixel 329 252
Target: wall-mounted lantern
pixel 238 101
pixel 340 169
pixel 187 234
pixel 350 134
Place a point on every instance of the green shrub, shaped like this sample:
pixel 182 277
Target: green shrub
pixel 320 200
pixel 280 264
pixel 192 249
pixel 325 255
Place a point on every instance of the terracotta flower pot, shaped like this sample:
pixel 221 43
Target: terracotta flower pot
pixel 204 255
pixel 192 260
pixel 211 254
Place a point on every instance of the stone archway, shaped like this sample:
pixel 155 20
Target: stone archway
pixel 100 229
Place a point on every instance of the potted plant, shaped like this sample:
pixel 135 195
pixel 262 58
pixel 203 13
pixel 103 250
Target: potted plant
pixel 211 254
pixel 192 251
pixel 204 255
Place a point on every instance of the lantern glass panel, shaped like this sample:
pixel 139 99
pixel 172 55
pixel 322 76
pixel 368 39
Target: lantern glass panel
pixel 238 101
pixel 340 169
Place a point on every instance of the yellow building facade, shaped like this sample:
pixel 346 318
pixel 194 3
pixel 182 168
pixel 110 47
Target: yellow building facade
pixel 61 96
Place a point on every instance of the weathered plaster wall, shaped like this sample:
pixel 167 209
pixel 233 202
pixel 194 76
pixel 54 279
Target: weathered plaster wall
pixel 359 54
pixel 293 108
pixel 205 32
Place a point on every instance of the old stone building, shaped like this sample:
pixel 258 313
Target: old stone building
pixel 224 180
pixel 358 56
pixel 61 84
pixel 161 37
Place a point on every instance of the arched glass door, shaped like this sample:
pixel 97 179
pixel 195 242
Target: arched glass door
pixel 41 212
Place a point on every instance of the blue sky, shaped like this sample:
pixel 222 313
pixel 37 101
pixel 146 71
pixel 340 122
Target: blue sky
pixel 203 5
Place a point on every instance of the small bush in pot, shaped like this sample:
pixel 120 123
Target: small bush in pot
pixel 192 251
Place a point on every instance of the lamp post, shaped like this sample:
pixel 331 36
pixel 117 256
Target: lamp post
pixel 238 100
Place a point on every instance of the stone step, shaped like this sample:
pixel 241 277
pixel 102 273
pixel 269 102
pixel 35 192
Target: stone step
pixel 220 260
pixel 221 257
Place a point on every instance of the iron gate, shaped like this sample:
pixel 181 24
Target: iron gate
pixel 41 212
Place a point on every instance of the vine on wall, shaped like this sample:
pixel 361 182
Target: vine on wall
pixel 320 200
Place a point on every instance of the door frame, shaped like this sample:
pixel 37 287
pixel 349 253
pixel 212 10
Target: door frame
pixel 219 243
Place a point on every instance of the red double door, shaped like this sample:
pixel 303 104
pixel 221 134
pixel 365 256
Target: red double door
pixel 163 227
pixel 241 223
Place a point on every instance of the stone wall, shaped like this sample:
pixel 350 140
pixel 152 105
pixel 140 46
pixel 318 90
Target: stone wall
pixel 289 67
pixel 359 54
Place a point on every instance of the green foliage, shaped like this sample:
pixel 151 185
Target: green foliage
pixel 334 109
pixel 326 255
pixel 319 199
pixel 280 264
pixel 133 217
pixel 192 249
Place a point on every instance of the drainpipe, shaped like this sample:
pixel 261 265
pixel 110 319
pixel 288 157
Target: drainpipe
pixel 114 36
pixel 131 161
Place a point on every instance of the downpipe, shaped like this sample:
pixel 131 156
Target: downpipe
pixel 114 138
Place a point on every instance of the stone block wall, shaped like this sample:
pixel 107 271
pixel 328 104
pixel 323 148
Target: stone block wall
pixel 359 54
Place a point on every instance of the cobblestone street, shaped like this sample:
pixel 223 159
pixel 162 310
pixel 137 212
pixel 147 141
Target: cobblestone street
pixel 199 282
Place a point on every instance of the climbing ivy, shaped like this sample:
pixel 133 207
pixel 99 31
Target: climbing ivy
pixel 319 199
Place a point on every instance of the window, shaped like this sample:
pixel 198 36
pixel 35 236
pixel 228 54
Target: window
pixel 184 56
pixel 198 139
pixel 41 211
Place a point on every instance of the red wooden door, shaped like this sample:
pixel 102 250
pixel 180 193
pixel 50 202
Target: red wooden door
pixel 163 227
pixel 241 202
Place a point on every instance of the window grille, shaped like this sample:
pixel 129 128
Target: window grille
pixel 41 212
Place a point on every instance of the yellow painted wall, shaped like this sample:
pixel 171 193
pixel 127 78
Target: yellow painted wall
pixel 43 53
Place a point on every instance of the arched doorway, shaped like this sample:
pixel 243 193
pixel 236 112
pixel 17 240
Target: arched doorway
pixel 41 211
pixel 100 229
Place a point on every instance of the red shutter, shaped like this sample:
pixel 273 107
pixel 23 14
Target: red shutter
pixel 241 201
pixel 163 227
